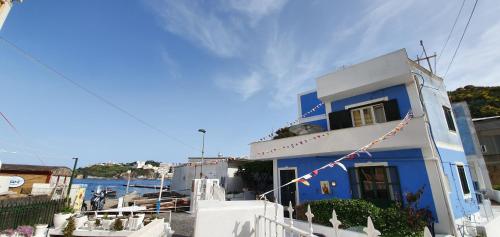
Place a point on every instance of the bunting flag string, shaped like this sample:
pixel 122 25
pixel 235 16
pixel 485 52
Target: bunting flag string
pixel 294 122
pixel 355 154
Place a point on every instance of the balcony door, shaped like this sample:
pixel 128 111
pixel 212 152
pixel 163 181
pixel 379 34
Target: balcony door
pixel 288 193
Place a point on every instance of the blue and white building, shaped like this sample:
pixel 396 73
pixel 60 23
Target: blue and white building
pixel 361 103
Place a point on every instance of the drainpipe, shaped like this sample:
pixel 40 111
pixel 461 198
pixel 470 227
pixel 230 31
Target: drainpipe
pixel 435 154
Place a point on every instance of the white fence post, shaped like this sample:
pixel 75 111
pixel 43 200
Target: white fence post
pixel 290 213
pixel 335 223
pixel 276 217
pixel 370 229
pixel 310 216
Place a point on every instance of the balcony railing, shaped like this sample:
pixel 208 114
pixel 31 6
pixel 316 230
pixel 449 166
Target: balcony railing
pixel 341 141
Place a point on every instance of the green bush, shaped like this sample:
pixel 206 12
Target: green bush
pixel 351 212
pixel 391 221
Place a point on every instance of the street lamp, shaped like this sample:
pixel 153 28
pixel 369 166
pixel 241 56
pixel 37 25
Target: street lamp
pixel 71 178
pixel 128 182
pixel 203 131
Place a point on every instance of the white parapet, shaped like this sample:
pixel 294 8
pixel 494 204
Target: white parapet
pixel 381 72
pixel 235 218
pixel 343 141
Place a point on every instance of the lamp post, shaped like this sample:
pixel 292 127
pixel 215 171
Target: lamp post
pixel 203 131
pixel 162 170
pixel 71 178
pixel 128 182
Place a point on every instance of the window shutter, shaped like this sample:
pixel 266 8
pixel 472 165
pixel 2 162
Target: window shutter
pixel 340 119
pixel 392 110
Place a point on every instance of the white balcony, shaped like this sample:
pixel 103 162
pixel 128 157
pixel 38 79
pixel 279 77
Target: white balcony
pixel 343 141
pixel 381 72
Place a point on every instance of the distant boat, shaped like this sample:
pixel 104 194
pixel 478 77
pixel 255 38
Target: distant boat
pixel 110 192
pixel 147 186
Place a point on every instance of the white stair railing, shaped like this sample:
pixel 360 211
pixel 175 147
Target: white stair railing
pixel 272 227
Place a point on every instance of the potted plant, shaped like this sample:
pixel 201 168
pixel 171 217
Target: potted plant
pixel 118 225
pixel 24 231
pixel 61 217
pixel 7 233
pixel 80 220
pixel 106 222
pixel 70 227
pixel 41 230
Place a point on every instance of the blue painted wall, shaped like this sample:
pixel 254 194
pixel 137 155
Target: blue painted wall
pixel 394 92
pixel 409 162
pixel 460 206
pixel 308 102
pixel 463 130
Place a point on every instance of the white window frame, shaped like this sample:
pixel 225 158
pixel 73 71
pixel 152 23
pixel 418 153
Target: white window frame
pixel 372 111
pixel 469 195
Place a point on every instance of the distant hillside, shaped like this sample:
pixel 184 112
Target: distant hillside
pixel 115 171
pixel 482 101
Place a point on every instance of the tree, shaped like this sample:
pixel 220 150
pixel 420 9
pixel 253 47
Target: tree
pixel 257 175
pixel 482 101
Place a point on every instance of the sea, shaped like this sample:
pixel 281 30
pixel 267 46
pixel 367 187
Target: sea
pixel 119 185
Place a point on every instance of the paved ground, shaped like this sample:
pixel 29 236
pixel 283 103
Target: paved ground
pixel 182 224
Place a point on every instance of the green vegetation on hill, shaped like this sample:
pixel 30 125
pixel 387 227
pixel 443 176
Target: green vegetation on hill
pixel 482 101
pixel 113 171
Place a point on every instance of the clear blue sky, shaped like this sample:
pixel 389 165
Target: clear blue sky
pixel 233 67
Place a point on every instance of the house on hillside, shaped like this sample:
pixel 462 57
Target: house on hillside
pixel 488 132
pixel 361 103
pixel 220 168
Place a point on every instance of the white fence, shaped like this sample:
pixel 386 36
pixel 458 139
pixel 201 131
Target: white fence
pixel 268 227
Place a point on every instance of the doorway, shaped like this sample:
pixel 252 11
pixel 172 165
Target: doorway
pixel 288 193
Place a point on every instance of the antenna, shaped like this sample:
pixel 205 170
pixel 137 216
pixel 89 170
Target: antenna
pixel 426 57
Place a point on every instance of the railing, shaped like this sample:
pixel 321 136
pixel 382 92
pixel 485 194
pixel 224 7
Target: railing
pixel 103 213
pixel 29 211
pixel 269 227
pixel 153 201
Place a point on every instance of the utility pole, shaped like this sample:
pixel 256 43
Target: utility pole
pixel 72 175
pixel 128 181
pixel 203 131
pixel 427 57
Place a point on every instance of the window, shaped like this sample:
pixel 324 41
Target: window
pixel 463 179
pixel 379 183
pixel 359 115
pixel 368 115
pixel 483 149
pixel 449 118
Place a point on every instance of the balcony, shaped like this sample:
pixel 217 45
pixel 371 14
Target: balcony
pixel 381 72
pixel 343 141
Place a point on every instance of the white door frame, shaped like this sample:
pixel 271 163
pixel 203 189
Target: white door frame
pixel 296 185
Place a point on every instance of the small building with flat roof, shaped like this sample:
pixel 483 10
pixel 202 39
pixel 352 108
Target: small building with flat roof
pixel 24 176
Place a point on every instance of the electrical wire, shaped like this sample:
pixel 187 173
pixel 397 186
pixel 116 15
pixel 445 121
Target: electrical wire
pixel 461 38
pixel 25 141
pixel 94 94
pixel 451 31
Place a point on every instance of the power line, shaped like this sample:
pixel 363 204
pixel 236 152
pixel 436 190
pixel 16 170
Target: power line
pixel 94 94
pixel 25 141
pixel 461 38
pixel 451 31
